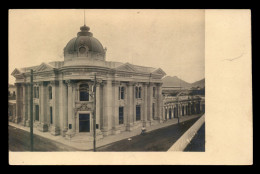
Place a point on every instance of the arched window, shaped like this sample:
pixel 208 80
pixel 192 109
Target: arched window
pixel 84 92
pixel 50 92
pixel 140 90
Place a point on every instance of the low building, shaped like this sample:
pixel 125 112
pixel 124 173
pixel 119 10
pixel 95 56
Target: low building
pixel 182 103
pixel 127 96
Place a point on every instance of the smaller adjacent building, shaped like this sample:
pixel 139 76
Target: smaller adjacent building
pixel 182 103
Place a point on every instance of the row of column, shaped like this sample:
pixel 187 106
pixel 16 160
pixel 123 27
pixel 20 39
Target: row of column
pixel 178 110
pixel 110 121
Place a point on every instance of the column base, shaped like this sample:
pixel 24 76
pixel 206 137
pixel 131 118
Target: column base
pixel 17 119
pixel 105 131
pixel 55 130
pixel 129 127
pixel 43 127
pixel 63 132
pixel 69 134
pixel 27 123
pixel 116 130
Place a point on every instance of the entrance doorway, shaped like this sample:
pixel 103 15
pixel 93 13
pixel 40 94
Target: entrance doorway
pixel 84 123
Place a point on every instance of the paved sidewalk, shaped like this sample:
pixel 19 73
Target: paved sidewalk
pixel 81 143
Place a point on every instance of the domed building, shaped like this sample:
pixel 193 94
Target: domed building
pixel 127 96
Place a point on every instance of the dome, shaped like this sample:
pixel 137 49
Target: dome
pixel 84 45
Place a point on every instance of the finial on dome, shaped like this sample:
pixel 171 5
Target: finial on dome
pixel 85 29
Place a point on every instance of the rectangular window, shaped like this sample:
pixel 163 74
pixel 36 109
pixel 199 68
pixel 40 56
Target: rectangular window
pixel 138 112
pixel 154 91
pixel 136 92
pixel 50 92
pixel 51 115
pixel 37 112
pixel 37 92
pixel 122 92
pixel 153 110
pixel 121 115
pixel 84 96
pixel 119 93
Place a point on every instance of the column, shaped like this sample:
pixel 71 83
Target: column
pixel 172 108
pixel 63 105
pixel 145 108
pixel 150 104
pixel 159 102
pixel 70 111
pixel 107 109
pixel 43 107
pixel 27 123
pixel 164 113
pixel 17 117
pixel 55 130
pixel 25 103
pixel 130 106
pixel 167 113
pixel 115 123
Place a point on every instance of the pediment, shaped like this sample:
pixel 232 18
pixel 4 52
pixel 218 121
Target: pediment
pixel 159 71
pixel 44 67
pixel 16 72
pixel 125 67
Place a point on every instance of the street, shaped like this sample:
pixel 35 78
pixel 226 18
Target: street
pixel 157 140
pixel 19 140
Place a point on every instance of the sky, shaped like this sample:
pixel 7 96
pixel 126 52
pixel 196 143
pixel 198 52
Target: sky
pixel 173 40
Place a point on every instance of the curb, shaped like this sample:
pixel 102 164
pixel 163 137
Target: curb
pixel 186 138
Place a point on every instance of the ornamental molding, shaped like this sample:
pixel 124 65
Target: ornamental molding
pixel 83 107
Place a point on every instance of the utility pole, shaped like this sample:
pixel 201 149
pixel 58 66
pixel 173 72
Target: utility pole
pixel 94 115
pixel 31 110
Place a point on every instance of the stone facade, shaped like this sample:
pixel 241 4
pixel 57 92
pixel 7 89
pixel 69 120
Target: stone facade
pixel 127 96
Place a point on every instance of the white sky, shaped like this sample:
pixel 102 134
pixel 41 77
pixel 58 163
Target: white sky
pixel 170 39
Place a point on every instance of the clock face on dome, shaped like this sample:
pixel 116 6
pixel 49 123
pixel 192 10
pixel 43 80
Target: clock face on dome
pixel 83 50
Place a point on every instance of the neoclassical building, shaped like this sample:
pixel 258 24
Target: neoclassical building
pixel 128 96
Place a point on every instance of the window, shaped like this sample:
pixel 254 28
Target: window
pixel 136 92
pixel 153 110
pixel 50 92
pixel 36 92
pixel 140 90
pixel 154 91
pixel 138 112
pixel 51 115
pixel 37 112
pixel 84 92
pixel 121 93
pixel 121 115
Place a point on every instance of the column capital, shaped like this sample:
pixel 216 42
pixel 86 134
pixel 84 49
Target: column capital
pixel 115 83
pixel 145 84
pixel 54 82
pixel 68 83
pixel 131 83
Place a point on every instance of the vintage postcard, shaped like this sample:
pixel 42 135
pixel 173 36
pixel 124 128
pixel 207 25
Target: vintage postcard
pixel 129 87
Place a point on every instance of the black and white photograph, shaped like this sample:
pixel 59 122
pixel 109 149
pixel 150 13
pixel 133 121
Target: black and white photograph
pixel 107 80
